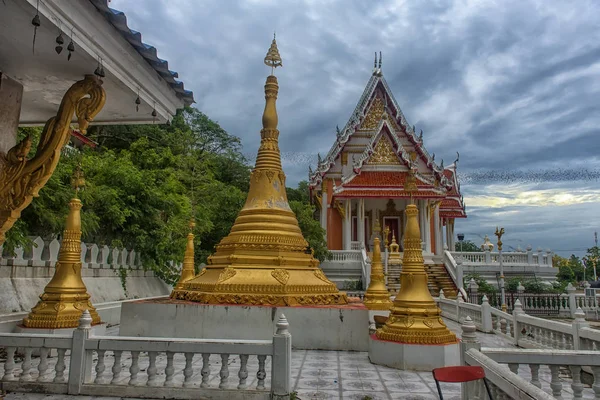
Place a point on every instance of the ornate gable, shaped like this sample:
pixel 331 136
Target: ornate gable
pixel 384 153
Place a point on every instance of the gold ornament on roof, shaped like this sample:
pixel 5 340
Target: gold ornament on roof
pixel 264 260
pixel 383 153
pixel 414 316
pixel 273 59
pixel 371 121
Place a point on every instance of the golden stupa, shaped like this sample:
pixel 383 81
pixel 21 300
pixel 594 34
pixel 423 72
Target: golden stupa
pixel 187 271
pixel 65 297
pixel 377 296
pixel 264 260
pixel 414 316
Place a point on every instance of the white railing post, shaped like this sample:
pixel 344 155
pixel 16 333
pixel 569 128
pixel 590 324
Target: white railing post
pixel 578 323
pixel 572 301
pixel 468 341
pixel 515 323
pixel 488 256
pixel 80 367
pixel 281 369
pixel 486 315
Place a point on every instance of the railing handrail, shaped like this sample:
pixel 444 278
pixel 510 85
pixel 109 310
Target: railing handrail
pixel 542 356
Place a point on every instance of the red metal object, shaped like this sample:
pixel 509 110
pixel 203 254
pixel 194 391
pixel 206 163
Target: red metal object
pixel 459 374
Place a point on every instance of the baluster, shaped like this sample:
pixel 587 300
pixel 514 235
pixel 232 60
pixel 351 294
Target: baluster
pixel 596 385
pixel 59 377
pixel 205 372
pixel 261 374
pixel 27 366
pixel 503 325
pixel 224 373
pixel 152 377
pixel 116 368
pixel 43 365
pixel 134 380
pixel 169 370
pixel 535 376
pixel 555 340
pixel 243 374
pixel 514 368
pixel 555 383
pixel 563 341
pixel 188 371
pixel 9 366
pixel 576 384
pixel 100 367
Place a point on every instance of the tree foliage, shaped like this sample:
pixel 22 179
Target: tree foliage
pixel 467 245
pixel 145 182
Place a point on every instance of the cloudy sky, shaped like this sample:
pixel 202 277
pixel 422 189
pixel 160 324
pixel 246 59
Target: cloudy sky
pixel 514 86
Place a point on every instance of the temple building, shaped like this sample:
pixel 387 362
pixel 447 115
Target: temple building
pixel 359 187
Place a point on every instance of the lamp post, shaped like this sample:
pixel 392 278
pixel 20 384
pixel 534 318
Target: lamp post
pixel 461 237
pixel 499 233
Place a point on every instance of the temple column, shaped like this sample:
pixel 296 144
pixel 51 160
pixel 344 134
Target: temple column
pixel 437 223
pixel 450 227
pixel 324 207
pixel 347 224
pixel 361 222
pixel 427 226
pixel 422 208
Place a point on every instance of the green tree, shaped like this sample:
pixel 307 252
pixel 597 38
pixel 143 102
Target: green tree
pixel 467 245
pixel 311 229
pixel 569 270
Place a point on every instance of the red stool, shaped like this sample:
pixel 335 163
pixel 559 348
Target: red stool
pixel 459 374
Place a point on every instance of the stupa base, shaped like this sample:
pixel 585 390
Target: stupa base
pixel 414 357
pixel 331 327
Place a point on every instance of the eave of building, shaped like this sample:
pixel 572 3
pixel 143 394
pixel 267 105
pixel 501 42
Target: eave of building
pixel 46 75
pixel 386 193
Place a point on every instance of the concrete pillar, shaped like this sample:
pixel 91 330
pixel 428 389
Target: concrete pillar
pixel 11 94
pixel 361 221
pixel 324 208
pixel 281 370
pixel 437 223
pixel 80 367
pixel 347 224
pixel 427 228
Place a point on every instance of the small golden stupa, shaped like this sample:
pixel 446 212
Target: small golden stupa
pixel 414 316
pixel 377 296
pixel 187 271
pixel 394 257
pixel 264 260
pixel 65 297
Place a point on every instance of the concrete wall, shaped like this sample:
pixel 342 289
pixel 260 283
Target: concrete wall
pixel 20 286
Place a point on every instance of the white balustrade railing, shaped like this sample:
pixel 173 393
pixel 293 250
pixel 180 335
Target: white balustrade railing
pixel 345 255
pixel 355 245
pixel 488 258
pixel 149 367
pixel 45 254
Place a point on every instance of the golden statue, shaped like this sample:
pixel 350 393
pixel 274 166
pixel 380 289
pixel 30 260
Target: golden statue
pixel 414 316
pixel 65 297
pixel 377 296
pixel 499 233
pixel 394 257
pixel 187 272
pixel 264 260
pixel 487 245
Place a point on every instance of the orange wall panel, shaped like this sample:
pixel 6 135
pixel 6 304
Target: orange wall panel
pixel 334 229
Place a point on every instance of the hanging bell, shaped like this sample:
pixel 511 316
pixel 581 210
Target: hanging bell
pixel 71 48
pixel 154 114
pixel 168 122
pixel 102 74
pixel 59 42
pixel 36 21
pixel 137 103
pixel 97 71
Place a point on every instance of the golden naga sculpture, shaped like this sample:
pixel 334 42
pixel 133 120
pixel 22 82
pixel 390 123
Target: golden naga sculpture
pixel 414 316
pixel 21 178
pixel 394 257
pixel 65 297
pixel 377 296
pixel 187 272
pixel 264 260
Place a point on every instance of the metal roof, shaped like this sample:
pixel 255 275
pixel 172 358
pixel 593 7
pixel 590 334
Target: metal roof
pixel 119 21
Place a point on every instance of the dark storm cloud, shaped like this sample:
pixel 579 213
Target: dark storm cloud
pixel 512 85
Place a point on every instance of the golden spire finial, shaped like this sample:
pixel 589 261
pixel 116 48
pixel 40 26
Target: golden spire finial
pixel 77 179
pixel 377 296
pixel 273 59
pixel 187 271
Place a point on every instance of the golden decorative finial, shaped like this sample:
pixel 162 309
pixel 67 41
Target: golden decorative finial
pixel 386 236
pixel 273 59
pixel 77 179
pixel 187 271
pixel 377 296
pixel 65 297
pixel 410 183
pixel 499 234
pixel 414 316
pixel 265 259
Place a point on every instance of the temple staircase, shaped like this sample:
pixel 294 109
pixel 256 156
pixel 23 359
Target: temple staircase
pixel 438 278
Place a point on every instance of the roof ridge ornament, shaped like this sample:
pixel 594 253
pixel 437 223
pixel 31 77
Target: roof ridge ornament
pixel 273 59
pixel 376 68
